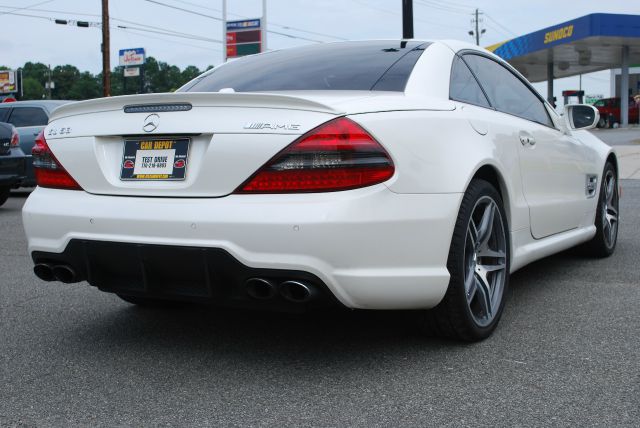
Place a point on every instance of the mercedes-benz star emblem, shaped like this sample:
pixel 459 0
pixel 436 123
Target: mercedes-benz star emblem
pixel 151 122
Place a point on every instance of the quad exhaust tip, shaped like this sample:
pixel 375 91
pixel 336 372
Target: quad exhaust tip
pixel 64 273
pixel 48 272
pixel 44 271
pixel 260 288
pixel 297 292
pixel 293 291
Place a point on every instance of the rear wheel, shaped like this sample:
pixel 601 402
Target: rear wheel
pixel 479 266
pixel 4 194
pixel 604 243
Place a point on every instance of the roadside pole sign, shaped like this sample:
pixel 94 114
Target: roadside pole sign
pixel 8 82
pixel 244 37
pixel 129 57
pixel 132 72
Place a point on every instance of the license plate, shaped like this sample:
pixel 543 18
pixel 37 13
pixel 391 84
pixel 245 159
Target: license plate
pixel 155 159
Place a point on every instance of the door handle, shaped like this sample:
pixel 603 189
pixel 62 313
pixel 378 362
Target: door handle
pixel 527 139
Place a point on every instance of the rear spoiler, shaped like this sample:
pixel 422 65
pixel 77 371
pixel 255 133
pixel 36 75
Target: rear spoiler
pixel 196 99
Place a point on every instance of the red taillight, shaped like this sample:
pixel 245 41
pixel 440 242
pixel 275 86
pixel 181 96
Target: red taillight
pixel 338 155
pixel 15 138
pixel 49 172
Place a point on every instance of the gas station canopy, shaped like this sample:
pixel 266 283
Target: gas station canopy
pixel 591 43
pixel 595 42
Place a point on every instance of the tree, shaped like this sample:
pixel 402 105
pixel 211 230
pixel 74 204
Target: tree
pixel 37 71
pixel 32 89
pixel 64 77
pixel 72 84
pixel 86 86
pixel 190 73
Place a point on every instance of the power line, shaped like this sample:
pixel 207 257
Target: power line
pixel 129 31
pixel 55 11
pixel 443 7
pixel 25 7
pixel 284 26
pixel 393 12
pixel 220 19
pixel 147 28
pixel 501 26
pixel 166 33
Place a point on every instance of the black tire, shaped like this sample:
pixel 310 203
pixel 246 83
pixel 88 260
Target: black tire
pixel 4 194
pixel 602 123
pixel 455 315
pixel 604 242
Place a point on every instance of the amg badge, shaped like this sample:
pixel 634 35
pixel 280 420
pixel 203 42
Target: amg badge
pixel 273 126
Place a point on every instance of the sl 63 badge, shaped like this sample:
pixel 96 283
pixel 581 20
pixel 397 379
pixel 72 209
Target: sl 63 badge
pixel 61 131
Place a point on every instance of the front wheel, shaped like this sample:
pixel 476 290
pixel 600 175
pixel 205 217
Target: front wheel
pixel 4 194
pixel 478 263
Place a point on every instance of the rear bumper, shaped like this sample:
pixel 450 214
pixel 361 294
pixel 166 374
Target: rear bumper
pixel 206 275
pixel 372 248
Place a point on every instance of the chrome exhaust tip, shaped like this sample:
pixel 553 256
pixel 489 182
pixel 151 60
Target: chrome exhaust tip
pixel 64 273
pixel 259 288
pixel 44 272
pixel 297 292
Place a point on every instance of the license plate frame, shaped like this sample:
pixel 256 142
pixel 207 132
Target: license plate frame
pixel 174 168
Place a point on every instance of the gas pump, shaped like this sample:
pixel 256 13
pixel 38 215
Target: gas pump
pixel 573 93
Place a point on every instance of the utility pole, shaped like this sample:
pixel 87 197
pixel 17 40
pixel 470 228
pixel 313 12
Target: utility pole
pixel 106 64
pixel 478 31
pixel 407 19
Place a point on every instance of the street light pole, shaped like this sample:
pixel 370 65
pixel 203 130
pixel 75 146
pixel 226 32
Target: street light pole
pixel 106 64
pixel 224 30
pixel 264 26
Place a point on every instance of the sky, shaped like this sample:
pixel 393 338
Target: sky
pixel 39 39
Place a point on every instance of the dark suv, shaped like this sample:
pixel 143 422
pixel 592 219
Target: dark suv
pixel 29 118
pixel 12 161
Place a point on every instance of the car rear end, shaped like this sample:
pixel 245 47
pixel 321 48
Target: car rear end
pixel 252 199
pixel 12 159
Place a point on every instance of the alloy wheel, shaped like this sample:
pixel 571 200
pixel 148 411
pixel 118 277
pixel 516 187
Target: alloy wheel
pixel 610 209
pixel 485 259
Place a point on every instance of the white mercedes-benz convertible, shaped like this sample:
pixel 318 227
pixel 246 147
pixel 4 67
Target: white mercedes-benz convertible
pixel 370 175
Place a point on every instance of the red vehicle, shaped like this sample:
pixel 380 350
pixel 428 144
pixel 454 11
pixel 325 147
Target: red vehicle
pixel 609 109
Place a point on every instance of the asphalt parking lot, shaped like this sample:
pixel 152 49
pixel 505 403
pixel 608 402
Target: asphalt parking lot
pixel 566 353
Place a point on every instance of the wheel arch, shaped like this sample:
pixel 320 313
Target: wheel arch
pixel 491 174
pixel 611 157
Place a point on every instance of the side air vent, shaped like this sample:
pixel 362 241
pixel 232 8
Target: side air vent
pixel 157 108
pixel 591 185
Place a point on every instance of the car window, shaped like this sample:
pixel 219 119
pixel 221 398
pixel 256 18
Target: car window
pixel 506 92
pixel 464 87
pixel 28 116
pixel 4 113
pixel 367 66
pixel 599 103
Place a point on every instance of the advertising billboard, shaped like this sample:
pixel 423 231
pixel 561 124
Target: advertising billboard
pixel 8 82
pixel 133 56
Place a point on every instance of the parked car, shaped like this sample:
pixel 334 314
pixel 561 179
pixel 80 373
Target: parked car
pixel 609 109
pixel 12 161
pixel 29 118
pixel 371 175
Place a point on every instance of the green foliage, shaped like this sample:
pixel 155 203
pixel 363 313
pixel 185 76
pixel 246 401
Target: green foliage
pixel 33 90
pixel 72 84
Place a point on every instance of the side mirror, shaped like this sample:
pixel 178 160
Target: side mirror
pixel 581 116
